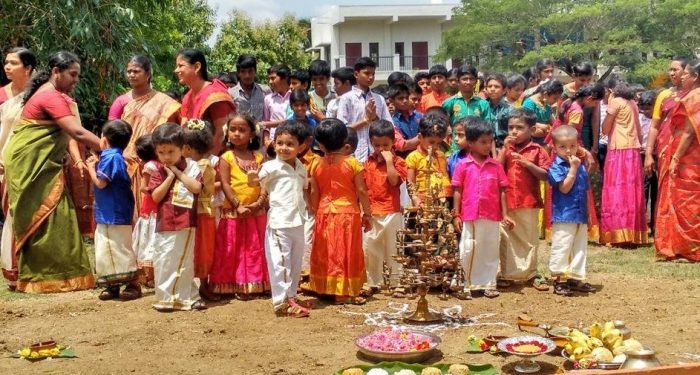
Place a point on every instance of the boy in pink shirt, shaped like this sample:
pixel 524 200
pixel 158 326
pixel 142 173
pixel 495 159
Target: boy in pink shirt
pixel 479 185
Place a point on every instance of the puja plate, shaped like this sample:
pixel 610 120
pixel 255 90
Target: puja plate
pixel 416 356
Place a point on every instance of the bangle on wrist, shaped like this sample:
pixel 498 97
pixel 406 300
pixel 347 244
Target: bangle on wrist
pixel 80 161
pixel 674 157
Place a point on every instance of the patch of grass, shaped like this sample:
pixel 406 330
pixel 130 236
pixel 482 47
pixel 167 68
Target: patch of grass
pixel 8 295
pixel 640 262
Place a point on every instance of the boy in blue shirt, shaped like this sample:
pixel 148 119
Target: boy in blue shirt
pixel 405 117
pixel 569 180
pixel 115 259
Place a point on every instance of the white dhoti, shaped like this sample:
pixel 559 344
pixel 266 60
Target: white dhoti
pixel 115 260
pixel 569 248
pixel 519 245
pixel 6 256
pixel 144 237
pixel 173 264
pixel 309 224
pixel 404 197
pixel 478 253
pixel 284 250
pixel 380 246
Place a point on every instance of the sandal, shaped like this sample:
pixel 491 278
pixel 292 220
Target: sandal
pixel 345 300
pixel 293 311
pixel 130 293
pixel 309 304
pixel 540 284
pixel 109 293
pixel 207 294
pixel 580 286
pixel 243 297
pixel 199 305
pixel 502 283
pixel 369 292
pixel 491 293
pixel 562 289
pixel 464 296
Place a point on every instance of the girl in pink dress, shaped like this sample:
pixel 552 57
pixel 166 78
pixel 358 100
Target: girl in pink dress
pixel 623 207
pixel 239 265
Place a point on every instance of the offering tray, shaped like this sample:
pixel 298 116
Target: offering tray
pixel 409 356
pixel 526 347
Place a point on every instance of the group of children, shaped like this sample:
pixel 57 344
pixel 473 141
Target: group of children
pixel 316 188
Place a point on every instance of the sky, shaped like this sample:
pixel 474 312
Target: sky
pixel 260 10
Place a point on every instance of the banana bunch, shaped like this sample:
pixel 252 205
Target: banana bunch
pixel 611 336
pixel 578 347
pixel 601 343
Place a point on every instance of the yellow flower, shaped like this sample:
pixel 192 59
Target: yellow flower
pixel 24 353
pixel 34 355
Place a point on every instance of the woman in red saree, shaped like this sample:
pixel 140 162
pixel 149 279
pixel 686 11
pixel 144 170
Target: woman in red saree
pixel 677 220
pixel 666 103
pixel 209 101
pixel 205 100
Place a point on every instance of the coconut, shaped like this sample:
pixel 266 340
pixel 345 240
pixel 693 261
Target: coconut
pixel 458 369
pixel 353 371
pixel 405 372
pixel 377 371
pixel 431 371
pixel 602 355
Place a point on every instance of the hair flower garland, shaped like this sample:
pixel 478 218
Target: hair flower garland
pixel 196 124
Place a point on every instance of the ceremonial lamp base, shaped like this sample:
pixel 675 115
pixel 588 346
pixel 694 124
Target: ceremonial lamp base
pixel 423 315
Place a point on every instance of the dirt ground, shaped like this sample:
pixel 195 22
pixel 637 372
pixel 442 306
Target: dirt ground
pixel 245 337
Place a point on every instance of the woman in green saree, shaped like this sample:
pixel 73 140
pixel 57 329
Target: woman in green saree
pixel 50 255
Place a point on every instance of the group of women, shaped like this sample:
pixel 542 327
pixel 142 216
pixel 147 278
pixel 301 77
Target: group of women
pixel 41 138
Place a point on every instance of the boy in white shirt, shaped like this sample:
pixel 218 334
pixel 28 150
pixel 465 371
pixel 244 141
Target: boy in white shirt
pixel 285 179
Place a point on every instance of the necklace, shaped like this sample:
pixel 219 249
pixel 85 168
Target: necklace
pixel 246 165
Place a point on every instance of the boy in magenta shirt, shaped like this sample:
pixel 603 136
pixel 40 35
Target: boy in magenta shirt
pixel 480 207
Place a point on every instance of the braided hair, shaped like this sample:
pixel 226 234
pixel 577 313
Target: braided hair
pixel 61 60
pixel 596 92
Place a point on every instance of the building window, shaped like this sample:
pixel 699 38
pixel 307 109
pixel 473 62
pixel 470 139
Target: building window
pixel 420 55
pixel 374 51
pixel 353 51
pixel 399 50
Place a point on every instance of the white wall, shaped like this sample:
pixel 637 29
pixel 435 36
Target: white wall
pixel 365 32
pixel 417 31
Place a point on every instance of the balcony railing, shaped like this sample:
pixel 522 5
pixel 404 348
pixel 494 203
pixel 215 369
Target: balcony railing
pixel 394 63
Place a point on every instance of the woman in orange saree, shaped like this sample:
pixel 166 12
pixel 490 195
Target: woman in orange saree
pixel 677 220
pixel 144 109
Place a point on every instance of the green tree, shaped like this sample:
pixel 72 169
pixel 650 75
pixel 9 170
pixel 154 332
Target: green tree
pixel 271 42
pixel 631 34
pixel 104 34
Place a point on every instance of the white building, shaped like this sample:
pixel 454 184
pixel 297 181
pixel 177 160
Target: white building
pixel 397 37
